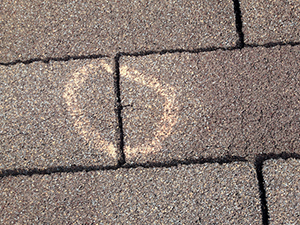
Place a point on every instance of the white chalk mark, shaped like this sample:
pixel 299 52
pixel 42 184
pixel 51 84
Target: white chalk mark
pixel 82 124
pixel 169 117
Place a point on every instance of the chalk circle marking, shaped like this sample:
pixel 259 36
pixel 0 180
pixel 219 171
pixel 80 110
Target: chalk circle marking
pixel 170 113
pixel 90 133
pixel 82 124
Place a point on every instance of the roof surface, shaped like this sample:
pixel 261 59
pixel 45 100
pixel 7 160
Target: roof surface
pixel 149 112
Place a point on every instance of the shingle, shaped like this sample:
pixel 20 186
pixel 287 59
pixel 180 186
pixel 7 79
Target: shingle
pixel 206 194
pixel 266 21
pixel 57 114
pixel 184 106
pixel 282 184
pixel 42 29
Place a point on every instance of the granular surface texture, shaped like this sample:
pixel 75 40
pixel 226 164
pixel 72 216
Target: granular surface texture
pixel 43 29
pixel 282 184
pixel 57 114
pixel 206 194
pixel 266 21
pixel 216 104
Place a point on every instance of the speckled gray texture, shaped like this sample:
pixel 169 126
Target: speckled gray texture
pixel 57 114
pixel 266 21
pixel 282 185
pixel 208 193
pixel 212 104
pixel 41 29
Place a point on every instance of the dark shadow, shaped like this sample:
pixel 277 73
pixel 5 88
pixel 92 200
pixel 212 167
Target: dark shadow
pixel 239 23
pixel 161 52
pixel 58 59
pixel 51 170
pixel 80 168
pixel 118 111
pixel 173 163
pixel 273 44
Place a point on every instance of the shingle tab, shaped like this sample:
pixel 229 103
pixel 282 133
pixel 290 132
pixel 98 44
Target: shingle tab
pixel 184 106
pixel 282 184
pixel 206 194
pixel 57 114
pixel 270 21
pixel 41 29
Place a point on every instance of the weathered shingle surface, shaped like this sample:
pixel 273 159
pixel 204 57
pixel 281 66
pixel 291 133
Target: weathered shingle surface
pixel 208 193
pixel 184 106
pixel 57 114
pixel 43 29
